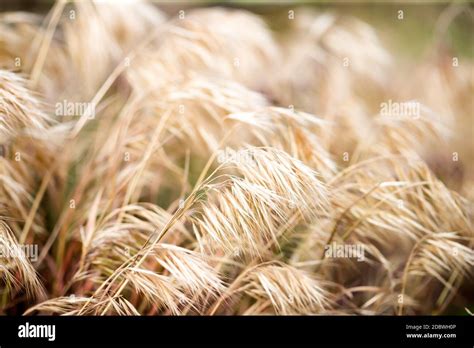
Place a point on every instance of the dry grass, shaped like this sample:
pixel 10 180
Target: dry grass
pixel 223 162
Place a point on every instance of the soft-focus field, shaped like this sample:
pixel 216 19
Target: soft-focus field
pixel 163 159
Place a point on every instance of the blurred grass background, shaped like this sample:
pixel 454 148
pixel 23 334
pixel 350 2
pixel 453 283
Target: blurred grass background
pixel 409 37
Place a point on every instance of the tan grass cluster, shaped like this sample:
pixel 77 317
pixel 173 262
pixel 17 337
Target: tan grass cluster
pixel 199 179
